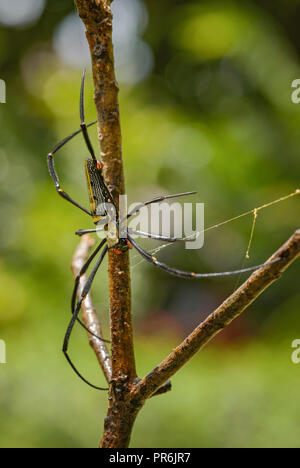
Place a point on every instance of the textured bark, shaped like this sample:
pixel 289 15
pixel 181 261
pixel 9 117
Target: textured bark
pixel 97 17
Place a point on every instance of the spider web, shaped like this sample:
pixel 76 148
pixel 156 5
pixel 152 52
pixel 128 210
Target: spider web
pixel 253 212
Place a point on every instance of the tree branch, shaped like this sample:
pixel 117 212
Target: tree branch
pixel 223 316
pixel 89 316
pixel 97 17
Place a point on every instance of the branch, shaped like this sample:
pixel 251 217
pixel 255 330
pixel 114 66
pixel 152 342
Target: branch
pixel 89 316
pixel 165 388
pixel 97 17
pixel 223 316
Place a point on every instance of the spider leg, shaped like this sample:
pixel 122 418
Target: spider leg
pixel 189 274
pixel 82 232
pixel 157 200
pixel 84 293
pixel 82 118
pixel 77 281
pixel 102 228
pixel 53 173
pixel 81 376
pixel 161 238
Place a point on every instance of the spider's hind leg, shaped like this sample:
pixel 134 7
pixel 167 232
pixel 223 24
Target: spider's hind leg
pixel 76 285
pixel 83 295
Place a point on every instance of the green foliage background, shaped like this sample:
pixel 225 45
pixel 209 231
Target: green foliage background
pixel 214 115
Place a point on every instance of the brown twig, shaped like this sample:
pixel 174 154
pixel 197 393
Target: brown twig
pixel 89 316
pixel 218 320
pixel 97 17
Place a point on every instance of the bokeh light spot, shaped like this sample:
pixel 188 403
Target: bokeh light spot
pixel 133 57
pixel 20 12
pixel 209 33
pixel 70 43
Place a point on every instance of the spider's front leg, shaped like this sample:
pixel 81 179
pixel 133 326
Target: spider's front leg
pixel 54 175
pixel 190 274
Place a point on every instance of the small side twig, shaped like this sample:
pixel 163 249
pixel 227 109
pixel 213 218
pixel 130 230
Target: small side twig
pixel 165 388
pixel 89 315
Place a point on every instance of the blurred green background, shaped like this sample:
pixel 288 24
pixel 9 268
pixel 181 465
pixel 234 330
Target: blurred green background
pixel 205 97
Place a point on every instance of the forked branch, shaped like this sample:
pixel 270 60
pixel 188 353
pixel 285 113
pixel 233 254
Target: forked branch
pixel 220 318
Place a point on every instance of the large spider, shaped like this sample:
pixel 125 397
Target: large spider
pixel 102 209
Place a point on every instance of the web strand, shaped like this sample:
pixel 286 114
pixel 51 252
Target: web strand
pixel 254 211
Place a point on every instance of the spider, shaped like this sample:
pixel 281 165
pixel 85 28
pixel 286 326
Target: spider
pixel 102 206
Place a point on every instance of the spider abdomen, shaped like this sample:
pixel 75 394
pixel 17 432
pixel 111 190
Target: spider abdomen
pixel 99 194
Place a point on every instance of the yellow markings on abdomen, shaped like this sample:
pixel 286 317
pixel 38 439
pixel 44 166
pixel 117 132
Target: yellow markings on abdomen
pixel 91 194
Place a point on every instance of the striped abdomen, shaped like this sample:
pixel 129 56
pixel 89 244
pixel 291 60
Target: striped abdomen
pixel 98 192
